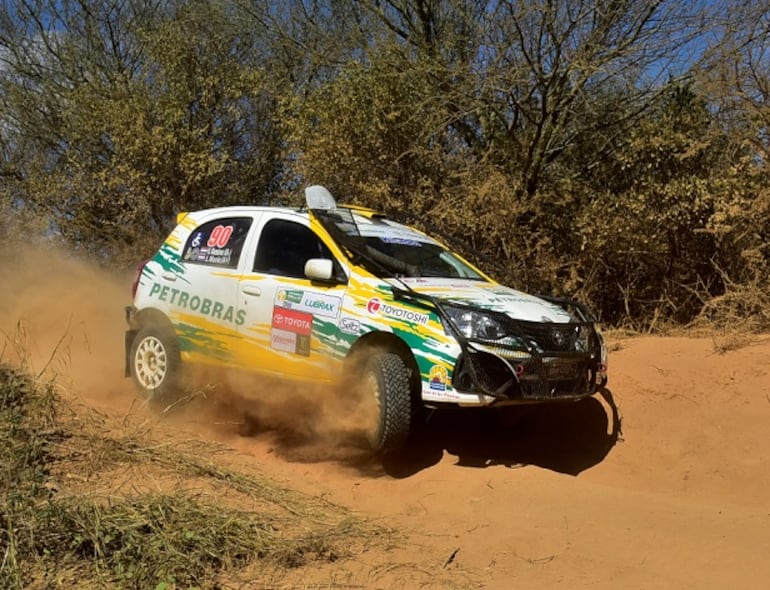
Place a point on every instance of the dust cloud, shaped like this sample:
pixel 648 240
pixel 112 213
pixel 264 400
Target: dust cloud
pixel 62 318
pixel 302 422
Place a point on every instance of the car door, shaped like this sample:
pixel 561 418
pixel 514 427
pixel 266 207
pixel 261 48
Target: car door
pixel 290 325
pixel 200 296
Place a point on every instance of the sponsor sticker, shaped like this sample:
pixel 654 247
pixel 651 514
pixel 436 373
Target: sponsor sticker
pixel 292 321
pixel 288 296
pixel 438 378
pixel 376 306
pixel 391 233
pixel 507 299
pixel 181 299
pixel 303 344
pixel 350 325
pixel 373 305
pixel 401 241
pixel 308 301
pixel 283 340
pixel 290 331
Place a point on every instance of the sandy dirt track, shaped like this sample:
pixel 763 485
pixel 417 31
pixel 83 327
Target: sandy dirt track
pixel 680 499
pixel 555 498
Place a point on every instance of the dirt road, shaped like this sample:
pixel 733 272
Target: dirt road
pixel 679 499
pixel 561 497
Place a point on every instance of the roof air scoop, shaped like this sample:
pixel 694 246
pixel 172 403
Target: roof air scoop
pixel 318 197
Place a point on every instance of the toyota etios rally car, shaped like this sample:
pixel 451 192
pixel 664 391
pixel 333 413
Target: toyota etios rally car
pixel 298 293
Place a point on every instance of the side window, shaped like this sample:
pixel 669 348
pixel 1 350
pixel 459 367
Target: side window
pixel 284 248
pixel 218 242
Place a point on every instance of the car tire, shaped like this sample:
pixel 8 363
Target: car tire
pixel 386 376
pixel 155 362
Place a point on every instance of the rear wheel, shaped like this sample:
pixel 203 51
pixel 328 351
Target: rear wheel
pixel 386 378
pixel 155 361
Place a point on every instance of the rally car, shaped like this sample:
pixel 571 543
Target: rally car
pixel 325 292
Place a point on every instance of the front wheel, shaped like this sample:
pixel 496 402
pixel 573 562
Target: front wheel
pixel 386 378
pixel 155 361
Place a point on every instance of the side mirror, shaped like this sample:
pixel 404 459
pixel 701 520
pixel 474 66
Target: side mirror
pixel 319 269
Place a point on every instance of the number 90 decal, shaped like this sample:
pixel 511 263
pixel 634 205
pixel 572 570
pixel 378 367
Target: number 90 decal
pixel 219 237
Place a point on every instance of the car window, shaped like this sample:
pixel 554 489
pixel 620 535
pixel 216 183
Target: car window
pixel 218 242
pixel 387 248
pixel 285 246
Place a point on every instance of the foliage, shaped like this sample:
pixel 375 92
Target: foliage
pixel 613 151
pixel 174 117
pixel 367 134
pixel 644 232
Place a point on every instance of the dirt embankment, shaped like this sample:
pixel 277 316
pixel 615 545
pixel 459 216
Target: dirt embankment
pixel 556 497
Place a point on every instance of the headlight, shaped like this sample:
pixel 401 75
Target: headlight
pixel 475 324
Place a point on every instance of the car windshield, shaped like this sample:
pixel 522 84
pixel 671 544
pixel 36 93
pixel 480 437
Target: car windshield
pixel 391 249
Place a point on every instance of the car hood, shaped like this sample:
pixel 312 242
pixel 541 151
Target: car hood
pixel 492 296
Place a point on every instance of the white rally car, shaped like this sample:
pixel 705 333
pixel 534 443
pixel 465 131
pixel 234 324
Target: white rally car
pixel 304 293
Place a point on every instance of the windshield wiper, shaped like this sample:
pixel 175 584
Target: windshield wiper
pixel 355 247
pixel 391 263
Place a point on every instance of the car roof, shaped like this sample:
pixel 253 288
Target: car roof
pixel 247 209
pixel 252 209
pixel 234 210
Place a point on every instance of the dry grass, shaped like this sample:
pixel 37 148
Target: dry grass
pixel 742 308
pixel 64 523
pixel 735 319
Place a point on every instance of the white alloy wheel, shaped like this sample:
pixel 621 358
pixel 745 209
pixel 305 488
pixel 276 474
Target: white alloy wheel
pixel 155 361
pixel 151 363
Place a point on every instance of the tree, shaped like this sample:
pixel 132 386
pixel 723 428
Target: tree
pixel 520 76
pixel 614 149
pixel 134 111
pixel 645 254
